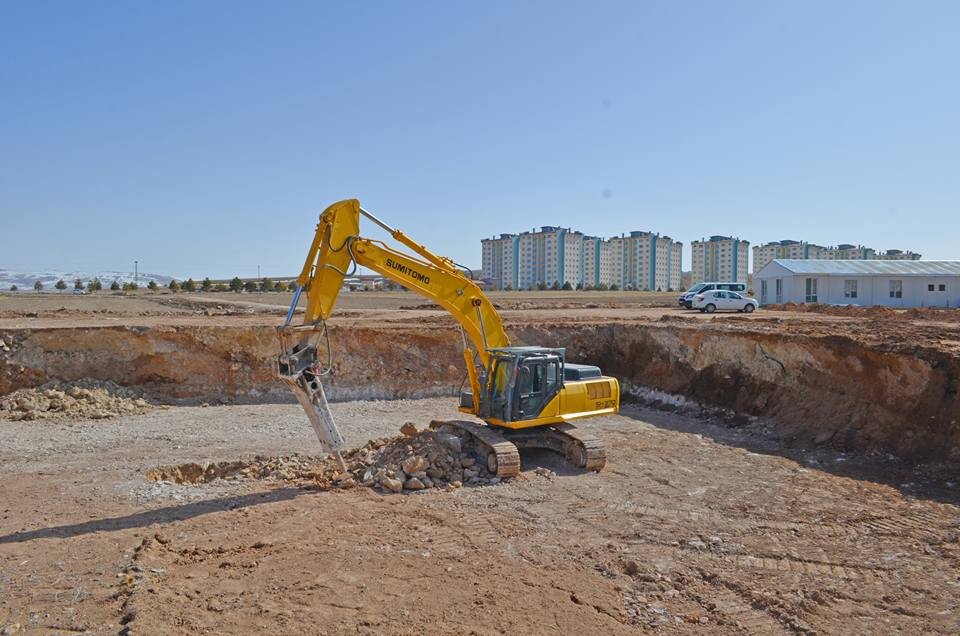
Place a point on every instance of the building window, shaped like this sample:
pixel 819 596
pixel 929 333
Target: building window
pixel 941 288
pixel 896 289
pixel 930 287
pixel 849 289
pixel 811 290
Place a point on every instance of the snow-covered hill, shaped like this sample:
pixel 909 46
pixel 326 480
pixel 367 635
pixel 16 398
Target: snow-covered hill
pixel 26 280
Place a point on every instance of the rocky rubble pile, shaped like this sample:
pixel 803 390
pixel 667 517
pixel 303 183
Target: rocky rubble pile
pixel 83 399
pixel 416 460
pixel 419 460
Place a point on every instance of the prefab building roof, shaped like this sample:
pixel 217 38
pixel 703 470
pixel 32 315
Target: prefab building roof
pixel 853 267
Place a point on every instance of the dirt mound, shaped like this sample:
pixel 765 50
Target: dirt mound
pixel 876 311
pixel 416 460
pixel 82 399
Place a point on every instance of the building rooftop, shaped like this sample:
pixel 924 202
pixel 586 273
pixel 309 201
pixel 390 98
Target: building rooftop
pixel 881 268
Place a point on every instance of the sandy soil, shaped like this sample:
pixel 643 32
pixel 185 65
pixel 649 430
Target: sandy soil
pixel 693 526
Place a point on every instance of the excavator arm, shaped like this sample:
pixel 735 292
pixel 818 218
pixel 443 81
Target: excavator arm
pixel 336 249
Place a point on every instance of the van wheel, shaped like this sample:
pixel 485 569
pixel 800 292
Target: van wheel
pixel 749 309
pixel 710 308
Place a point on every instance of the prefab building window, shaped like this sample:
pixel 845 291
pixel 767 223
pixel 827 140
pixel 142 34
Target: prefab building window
pixel 896 289
pixel 849 289
pixel 811 290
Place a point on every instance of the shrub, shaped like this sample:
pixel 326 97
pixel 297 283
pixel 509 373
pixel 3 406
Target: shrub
pixel 60 285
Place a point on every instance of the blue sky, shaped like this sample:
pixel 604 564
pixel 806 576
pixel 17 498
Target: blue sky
pixel 203 138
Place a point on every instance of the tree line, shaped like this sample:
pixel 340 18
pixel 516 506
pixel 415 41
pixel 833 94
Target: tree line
pixel 189 285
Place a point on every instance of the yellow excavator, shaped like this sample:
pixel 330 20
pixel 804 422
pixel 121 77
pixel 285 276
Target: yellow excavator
pixel 528 396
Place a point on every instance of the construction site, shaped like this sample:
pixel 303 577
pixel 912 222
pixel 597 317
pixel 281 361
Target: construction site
pixel 780 472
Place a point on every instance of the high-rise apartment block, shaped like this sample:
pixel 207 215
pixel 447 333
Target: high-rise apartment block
pixel 720 258
pixel 554 255
pixel 763 254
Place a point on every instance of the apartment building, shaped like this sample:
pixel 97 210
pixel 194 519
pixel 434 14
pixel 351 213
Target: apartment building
pixel 640 260
pixel 720 258
pixel 763 254
pixel 897 255
pixel 847 252
pixel 499 256
pixel 801 250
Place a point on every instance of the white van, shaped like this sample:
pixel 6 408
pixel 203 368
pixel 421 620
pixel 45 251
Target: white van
pixel 686 298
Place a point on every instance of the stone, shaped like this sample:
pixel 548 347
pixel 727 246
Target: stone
pixel 469 474
pixel 409 429
pixel 696 543
pixel 456 484
pixel 493 481
pixel 467 462
pixel 414 484
pixel 631 567
pixel 450 441
pixel 391 484
pixel 414 464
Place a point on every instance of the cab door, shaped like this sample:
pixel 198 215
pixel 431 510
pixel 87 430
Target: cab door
pixel 537 383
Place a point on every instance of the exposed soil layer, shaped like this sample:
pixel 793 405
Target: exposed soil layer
pixel 884 384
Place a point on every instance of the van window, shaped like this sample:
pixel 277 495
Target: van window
pixel 696 288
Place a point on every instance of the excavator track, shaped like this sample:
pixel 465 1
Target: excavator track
pixel 577 446
pixel 502 456
pixel 501 445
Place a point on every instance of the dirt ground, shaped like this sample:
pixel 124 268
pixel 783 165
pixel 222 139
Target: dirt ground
pixel 692 527
pixel 696 524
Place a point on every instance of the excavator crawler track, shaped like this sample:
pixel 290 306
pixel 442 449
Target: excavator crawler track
pixel 579 447
pixel 501 445
pixel 502 457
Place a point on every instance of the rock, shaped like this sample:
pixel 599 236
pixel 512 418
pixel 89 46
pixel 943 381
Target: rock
pixel 409 429
pixel 450 441
pixel 696 544
pixel 414 464
pixel 823 437
pixel 456 484
pixel 631 568
pixel 414 484
pixel 434 473
pixel 391 484
pixel 469 474
pixel 493 481
pixel 467 462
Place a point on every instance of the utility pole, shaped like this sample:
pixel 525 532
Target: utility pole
pixel 258 272
pixel 136 272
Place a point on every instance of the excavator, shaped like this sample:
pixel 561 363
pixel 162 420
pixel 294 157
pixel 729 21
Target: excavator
pixel 527 396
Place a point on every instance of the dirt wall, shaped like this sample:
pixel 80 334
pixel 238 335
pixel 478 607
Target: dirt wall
pixel 823 390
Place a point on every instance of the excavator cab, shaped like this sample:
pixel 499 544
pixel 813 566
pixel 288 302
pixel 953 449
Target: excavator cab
pixel 519 383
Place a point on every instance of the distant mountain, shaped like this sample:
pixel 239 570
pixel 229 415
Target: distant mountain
pixel 25 280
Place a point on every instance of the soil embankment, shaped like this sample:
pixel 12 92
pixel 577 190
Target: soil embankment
pixel 817 388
